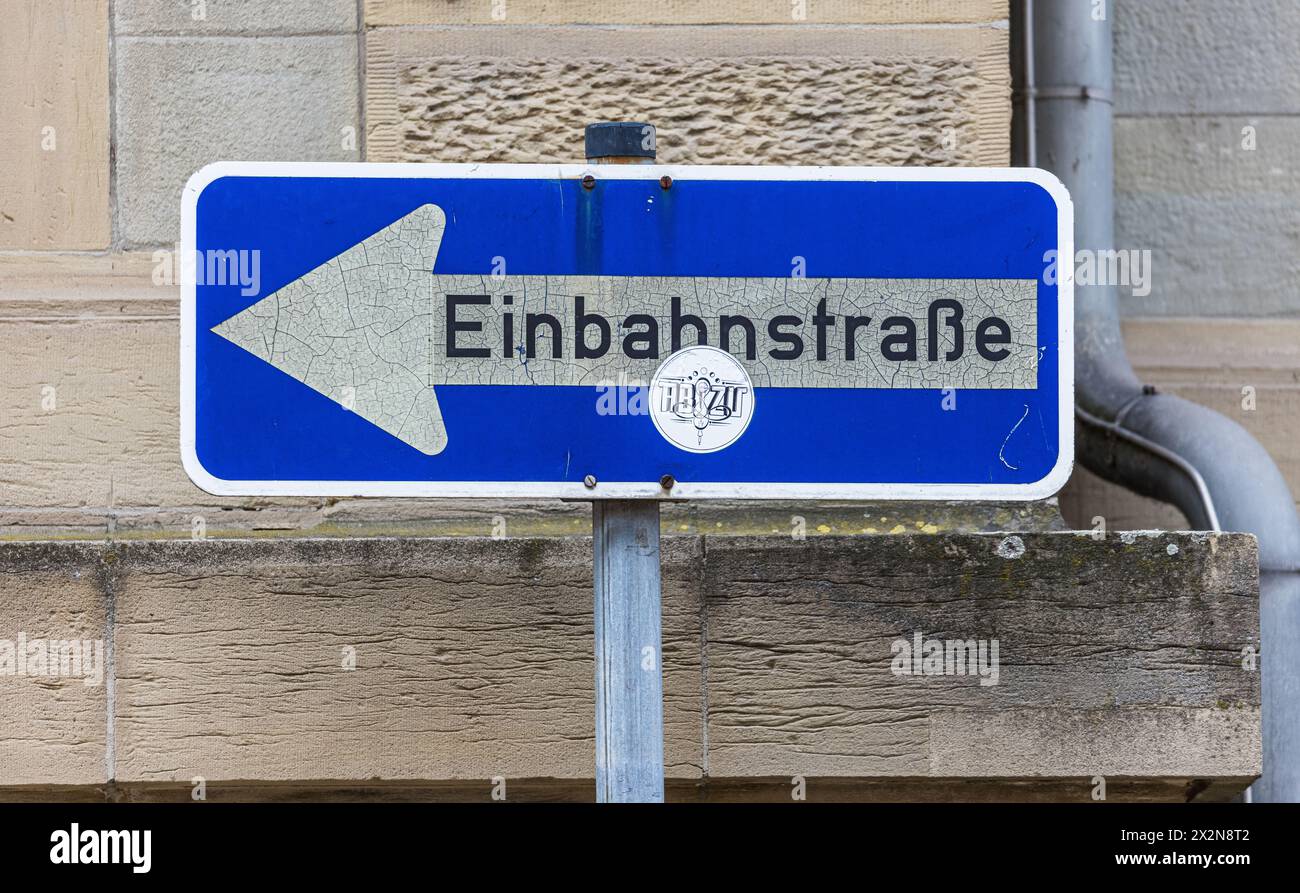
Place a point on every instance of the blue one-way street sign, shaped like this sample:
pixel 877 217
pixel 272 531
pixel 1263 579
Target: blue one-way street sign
pixel 527 330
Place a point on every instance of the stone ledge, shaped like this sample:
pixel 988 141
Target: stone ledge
pixel 473 660
pixel 682 12
pixel 234 17
pixel 756 790
pixel 501 518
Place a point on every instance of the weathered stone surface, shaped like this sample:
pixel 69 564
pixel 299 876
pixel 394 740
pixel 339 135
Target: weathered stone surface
pixel 1222 221
pixel 473 660
pixel 1119 743
pixel 54 726
pixel 1224 57
pixel 681 12
pixel 799 647
pixel 472 656
pixel 182 102
pixel 710 790
pixel 56 283
pixel 739 95
pixel 239 17
pixel 89 414
pixel 1219 217
pixel 54 190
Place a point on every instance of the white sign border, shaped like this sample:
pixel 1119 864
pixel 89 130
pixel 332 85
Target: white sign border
pixel 577 490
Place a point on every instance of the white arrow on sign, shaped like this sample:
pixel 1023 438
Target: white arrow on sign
pixel 375 330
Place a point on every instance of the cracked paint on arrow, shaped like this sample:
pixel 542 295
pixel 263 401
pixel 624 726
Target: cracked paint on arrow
pixel 369 329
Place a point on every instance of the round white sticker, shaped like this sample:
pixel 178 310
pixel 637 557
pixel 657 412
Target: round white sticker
pixel 701 399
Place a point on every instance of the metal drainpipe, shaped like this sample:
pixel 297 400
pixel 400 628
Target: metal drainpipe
pixel 1154 444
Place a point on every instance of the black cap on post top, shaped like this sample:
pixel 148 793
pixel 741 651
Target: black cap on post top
pixel 621 142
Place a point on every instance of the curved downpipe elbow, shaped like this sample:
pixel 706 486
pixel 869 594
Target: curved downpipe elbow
pixel 1155 444
pixel 1243 488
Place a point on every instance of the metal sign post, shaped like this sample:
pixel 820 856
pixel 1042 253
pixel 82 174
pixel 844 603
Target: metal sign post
pixel 629 679
pixel 625 547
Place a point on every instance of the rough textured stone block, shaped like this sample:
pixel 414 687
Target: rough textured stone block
pixel 54 125
pixel 739 95
pixel 184 102
pixel 1224 57
pixel 238 17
